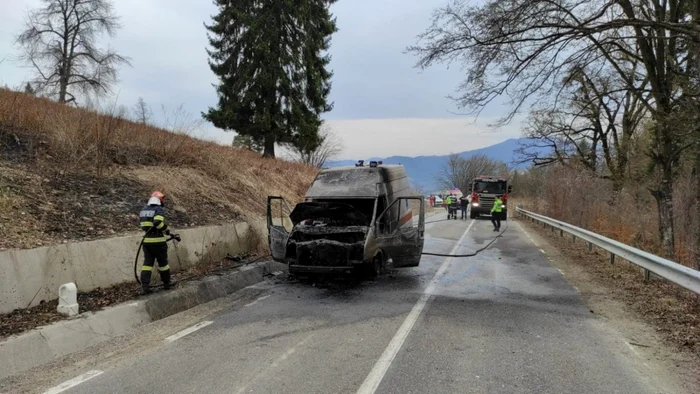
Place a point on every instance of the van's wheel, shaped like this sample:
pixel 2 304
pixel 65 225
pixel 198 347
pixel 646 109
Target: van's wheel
pixel 472 215
pixel 375 267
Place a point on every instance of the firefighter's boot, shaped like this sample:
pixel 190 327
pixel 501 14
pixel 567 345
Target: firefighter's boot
pixel 146 281
pixel 165 278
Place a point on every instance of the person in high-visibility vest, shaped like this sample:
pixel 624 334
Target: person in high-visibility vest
pixel 496 213
pixel 448 201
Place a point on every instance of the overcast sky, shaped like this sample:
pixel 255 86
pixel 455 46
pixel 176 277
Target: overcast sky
pixel 383 105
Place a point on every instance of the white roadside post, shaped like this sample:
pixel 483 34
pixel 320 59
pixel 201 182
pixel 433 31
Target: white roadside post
pixel 68 299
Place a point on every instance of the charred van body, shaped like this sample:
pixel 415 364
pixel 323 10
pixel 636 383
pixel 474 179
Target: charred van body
pixel 352 218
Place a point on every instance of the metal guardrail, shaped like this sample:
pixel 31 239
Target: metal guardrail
pixel 667 269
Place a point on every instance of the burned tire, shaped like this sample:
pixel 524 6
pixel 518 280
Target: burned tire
pixel 373 269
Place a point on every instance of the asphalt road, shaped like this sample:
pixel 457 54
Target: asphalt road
pixel 502 322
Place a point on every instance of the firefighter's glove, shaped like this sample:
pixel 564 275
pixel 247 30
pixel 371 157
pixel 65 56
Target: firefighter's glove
pixel 167 232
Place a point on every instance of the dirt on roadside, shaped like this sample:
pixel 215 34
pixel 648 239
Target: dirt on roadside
pixel 21 320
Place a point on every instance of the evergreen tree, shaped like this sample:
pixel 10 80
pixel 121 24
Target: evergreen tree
pixel 29 89
pixel 270 58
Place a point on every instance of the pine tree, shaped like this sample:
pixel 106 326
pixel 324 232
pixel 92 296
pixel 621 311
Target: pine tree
pixel 29 89
pixel 271 61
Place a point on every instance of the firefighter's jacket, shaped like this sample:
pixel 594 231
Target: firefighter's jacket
pixel 153 223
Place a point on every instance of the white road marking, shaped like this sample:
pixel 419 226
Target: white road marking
pixel 542 250
pixel 577 289
pixel 526 233
pixel 562 272
pixel 74 382
pixel 187 331
pixel 632 348
pixel 264 286
pixel 372 381
pixel 259 299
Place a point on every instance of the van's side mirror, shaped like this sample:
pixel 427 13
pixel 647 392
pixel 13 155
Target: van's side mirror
pixel 510 188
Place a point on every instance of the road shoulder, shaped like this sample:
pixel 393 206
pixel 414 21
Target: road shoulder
pixel 606 299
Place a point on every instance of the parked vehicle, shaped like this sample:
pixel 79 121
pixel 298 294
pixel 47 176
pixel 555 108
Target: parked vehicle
pixel 484 190
pixel 352 218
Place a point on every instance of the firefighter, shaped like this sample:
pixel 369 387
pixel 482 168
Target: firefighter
pixel 448 202
pixel 155 247
pixel 496 213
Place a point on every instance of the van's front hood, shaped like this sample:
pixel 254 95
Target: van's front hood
pixel 335 213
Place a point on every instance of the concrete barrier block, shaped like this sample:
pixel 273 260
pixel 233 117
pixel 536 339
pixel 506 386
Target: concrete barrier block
pixel 31 276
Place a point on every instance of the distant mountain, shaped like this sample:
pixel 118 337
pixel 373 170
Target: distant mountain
pixel 424 170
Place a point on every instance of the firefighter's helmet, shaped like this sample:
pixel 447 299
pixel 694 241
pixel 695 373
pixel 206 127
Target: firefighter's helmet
pixel 157 198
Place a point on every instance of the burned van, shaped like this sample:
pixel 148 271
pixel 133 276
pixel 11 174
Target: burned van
pixel 352 219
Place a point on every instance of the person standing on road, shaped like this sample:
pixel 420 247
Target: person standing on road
pixel 463 204
pixel 496 213
pixel 447 201
pixel 155 246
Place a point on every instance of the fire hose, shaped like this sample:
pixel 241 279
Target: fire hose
pixel 174 237
pixel 500 234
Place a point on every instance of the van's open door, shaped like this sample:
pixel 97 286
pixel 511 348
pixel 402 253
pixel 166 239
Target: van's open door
pixel 278 226
pixel 398 233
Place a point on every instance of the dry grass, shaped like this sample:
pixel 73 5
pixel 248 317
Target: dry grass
pixel 66 168
pixel 629 216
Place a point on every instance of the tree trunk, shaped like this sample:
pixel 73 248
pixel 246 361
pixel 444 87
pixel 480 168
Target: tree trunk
pixel 696 179
pixel 696 166
pixel 696 184
pixel 664 202
pixel 63 85
pixel 269 150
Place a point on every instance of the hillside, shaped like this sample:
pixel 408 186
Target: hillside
pixel 71 174
pixel 424 170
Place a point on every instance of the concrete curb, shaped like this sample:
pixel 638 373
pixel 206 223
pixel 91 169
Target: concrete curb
pixel 42 345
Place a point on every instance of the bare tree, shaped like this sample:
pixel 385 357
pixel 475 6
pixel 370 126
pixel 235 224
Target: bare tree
pixel 142 112
pixel 459 172
pixel 329 147
pixel 598 118
pixel 520 48
pixel 60 43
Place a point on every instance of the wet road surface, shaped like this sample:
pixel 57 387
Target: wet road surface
pixel 505 321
